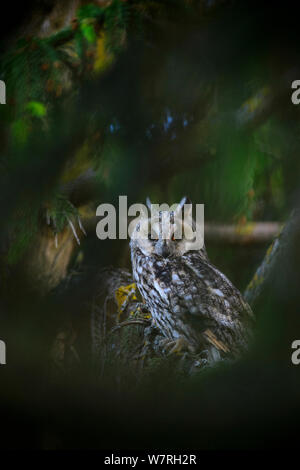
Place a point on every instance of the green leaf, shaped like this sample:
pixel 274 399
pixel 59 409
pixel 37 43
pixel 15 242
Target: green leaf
pixel 36 108
pixel 20 131
pixel 89 11
pixel 88 32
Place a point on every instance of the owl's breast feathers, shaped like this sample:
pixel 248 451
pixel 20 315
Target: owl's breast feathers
pixel 193 297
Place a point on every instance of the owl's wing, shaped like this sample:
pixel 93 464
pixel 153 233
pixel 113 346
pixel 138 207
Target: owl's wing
pixel 207 298
pixel 218 287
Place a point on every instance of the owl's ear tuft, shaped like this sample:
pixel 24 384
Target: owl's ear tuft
pixel 148 203
pixel 184 200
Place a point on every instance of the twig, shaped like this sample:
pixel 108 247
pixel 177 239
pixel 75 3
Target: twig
pixel 73 230
pixel 130 322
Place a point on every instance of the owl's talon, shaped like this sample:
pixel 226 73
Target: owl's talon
pixel 203 355
pixel 202 363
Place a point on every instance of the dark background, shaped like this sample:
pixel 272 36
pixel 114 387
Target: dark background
pixel 251 404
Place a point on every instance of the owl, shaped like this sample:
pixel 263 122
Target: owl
pixel 191 302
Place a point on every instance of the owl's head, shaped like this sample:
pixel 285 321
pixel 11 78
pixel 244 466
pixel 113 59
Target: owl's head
pixel 166 232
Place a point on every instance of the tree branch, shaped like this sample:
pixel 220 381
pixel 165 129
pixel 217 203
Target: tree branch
pixel 252 232
pixel 276 253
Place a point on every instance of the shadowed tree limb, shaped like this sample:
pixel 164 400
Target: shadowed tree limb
pixel 266 102
pixel 82 189
pixel 277 252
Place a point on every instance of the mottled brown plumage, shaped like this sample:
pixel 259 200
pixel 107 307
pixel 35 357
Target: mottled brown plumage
pixel 188 297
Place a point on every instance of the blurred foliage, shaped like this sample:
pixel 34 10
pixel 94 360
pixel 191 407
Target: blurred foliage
pixel 159 99
pixel 177 103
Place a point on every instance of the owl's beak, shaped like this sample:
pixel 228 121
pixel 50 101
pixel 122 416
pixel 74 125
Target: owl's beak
pixel 165 250
pixel 162 248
